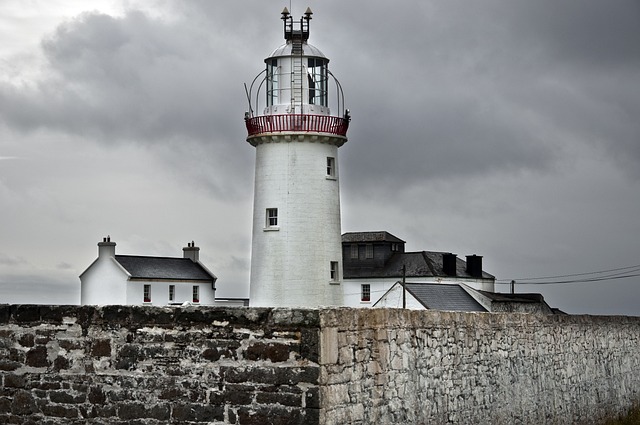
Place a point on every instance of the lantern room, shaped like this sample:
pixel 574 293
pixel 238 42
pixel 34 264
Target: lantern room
pixel 296 82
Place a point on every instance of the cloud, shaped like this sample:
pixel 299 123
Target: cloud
pixel 115 78
pixel 64 266
pixel 7 260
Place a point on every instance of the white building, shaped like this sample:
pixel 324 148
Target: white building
pixel 460 297
pixel 296 254
pixel 375 261
pixel 141 280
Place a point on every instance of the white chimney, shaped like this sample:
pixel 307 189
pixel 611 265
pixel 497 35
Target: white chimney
pixel 106 248
pixel 192 252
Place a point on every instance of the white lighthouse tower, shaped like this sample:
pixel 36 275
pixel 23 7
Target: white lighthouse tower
pixel 296 255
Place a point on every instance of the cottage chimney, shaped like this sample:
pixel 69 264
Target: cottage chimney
pixel 474 265
pixel 449 261
pixel 106 248
pixel 191 251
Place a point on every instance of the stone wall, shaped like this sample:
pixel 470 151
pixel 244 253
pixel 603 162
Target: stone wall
pixel 197 365
pixel 414 367
pixel 145 365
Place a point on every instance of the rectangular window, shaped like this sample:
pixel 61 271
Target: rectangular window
pixel 272 217
pixel 394 247
pixel 334 271
pixel 369 250
pixel 365 293
pixel 196 294
pixel 331 167
pixel 317 78
pixel 272 82
pixel 354 251
pixel 147 293
pixel 172 293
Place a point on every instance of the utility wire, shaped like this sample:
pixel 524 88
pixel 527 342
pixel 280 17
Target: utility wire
pixel 595 276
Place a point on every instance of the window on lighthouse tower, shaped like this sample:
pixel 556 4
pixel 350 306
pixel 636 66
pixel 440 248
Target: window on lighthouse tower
pixel 331 167
pixel 272 217
pixel 333 273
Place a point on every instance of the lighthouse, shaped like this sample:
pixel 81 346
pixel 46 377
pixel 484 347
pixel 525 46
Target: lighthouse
pixel 296 254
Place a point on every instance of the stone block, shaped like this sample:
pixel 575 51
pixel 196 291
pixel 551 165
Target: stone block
pixel 59 411
pixel 101 348
pixel 329 347
pixel 197 413
pixel 273 352
pixel 65 397
pixel 37 357
pixel 23 404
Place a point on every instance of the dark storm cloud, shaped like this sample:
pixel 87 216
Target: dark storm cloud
pixel 459 88
pixel 435 89
pixel 164 83
pixel 131 77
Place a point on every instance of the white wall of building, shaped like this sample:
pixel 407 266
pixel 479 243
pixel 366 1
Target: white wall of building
pixel 103 283
pixel 379 286
pixel 290 264
pixel 393 299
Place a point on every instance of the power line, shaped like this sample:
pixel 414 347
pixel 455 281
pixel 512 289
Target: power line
pixel 595 276
pixel 637 266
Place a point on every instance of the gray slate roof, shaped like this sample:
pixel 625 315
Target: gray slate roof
pixel 438 296
pixel 518 298
pixel 419 264
pixel 370 237
pixel 159 268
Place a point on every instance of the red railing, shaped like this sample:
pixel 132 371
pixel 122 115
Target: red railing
pixel 297 123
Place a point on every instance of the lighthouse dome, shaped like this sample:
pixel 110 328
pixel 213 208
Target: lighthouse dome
pixel 287 50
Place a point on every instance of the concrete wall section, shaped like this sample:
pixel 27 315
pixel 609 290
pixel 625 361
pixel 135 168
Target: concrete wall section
pixel 414 367
pixel 146 365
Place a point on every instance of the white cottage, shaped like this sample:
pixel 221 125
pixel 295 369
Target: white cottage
pixel 142 280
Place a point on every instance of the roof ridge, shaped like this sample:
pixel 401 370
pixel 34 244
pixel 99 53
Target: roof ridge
pixel 152 256
pixel 432 269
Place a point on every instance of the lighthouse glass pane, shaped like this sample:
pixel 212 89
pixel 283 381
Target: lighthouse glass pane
pixel 272 82
pixel 317 77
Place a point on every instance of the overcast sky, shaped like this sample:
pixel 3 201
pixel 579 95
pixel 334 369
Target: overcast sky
pixel 503 128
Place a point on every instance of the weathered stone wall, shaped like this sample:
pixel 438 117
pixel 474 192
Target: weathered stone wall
pixel 416 367
pixel 148 365
pixel 145 365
